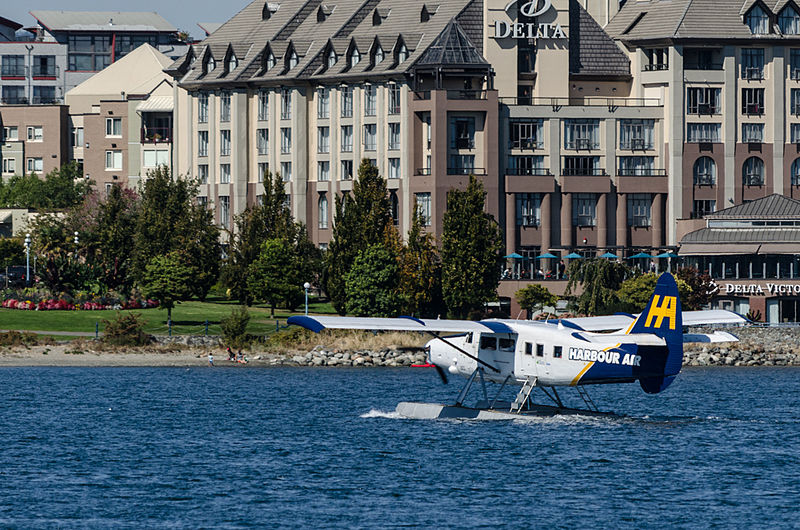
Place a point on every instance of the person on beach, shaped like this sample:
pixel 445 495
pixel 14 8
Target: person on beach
pixel 210 359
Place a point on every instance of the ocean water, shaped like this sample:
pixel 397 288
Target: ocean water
pixel 322 448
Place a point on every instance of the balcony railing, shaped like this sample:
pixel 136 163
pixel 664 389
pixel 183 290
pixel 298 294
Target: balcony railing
pixel 753 73
pixel 529 220
pixel 753 139
pixel 703 66
pixel 641 172
pixel 423 171
pixel 466 171
pixel 588 101
pixel 753 109
pixel 44 100
pixel 753 180
pixel 526 143
pixel 11 70
pixel 463 143
pixel 636 144
pixel 656 66
pixel 794 73
pixel 704 109
pixel 13 100
pixel 45 71
pixel 703 140
pixel 583 171
pixel 582 143
pixel 467 94
pixel 704 180
pixel 528 171
pixel 640 222
pixel 422 95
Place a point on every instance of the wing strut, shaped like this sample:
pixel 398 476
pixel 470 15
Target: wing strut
pixel 461 350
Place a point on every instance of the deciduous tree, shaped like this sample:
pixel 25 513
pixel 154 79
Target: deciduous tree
pixel 168 279
pixel 600 279
pixel 535 296
pixel 273 276
pixel 421 272
pixel 371 284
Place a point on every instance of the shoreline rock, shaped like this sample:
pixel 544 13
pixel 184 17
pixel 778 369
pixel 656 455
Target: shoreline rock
pixel 757 346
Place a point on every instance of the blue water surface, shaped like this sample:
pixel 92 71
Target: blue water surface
pixel 302 447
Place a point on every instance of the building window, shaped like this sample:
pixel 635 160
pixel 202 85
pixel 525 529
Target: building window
pixel 323 103
pixel 155 157
pixel 202 173
pixel 529 209
pixel 331 58
pixel 347 101
pixel 795 133
pixel 11 134
pixel 224 143
pixel 35 133
pixel 423 206
pixel 44 95
pixel 355 57
pixel 703 132
pixel 88 53
pixel 753 101
pixel 753 63
pixel 36 165
pixel 656 59
pixel 370 100
pixel 394 168
pixel 394 136
pixel 9 166
pixel 225 211
pixel 394 99
pixel 263 105
pixel 461 165
pixel 13 66
pixel 701 208
pixel 795 101
pixel 346 170
pixel 462 133
pixel 753 172
pixel 705 171
pixel 286 104
pixel 794 63
pixel 113 127
pixel 394 207
pixel 225 107
pixel 323 139
pixel 757 20
pixel 286 171
pixel 124 44
pixel 202 108
pixel 202 200
pixel 347 138
pixel 378 55
pixel 323 171
pixel 702 59
pixel 789 21
pixel 44 66
pixel 14 95
pixel 636 166
pixel 113 160
pixel 322 207
pixel 582 166
pixel 526 135
pixel 202 143
pixel 639 209
pixel 584 209
pixel 270 64
pixel 293 60
pixel 262 141
pixel 703 100
pixel 752 132
pixel 263 169
pixel 581 134
pixel 526 165
pixel 370 137
pixel 286 140
pixel 636 134
pixel 224 173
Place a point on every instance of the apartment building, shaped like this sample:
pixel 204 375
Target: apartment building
pixel 34 139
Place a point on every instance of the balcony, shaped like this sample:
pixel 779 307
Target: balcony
pixel 753 109
pixel 12 71
pixel 588 101
pixel 467 94
pixel 45 71
pixel 704 180
pixel 583 171
pixel 584 144
pixel 528 171
pixel 464 143
pixel 655 67
pixel 636 144
pixel 752 180
pixel 753 139
pixel 422 95
pixel 526 144
pixel 704 109
pixel 794 73
pixel 44 100
pixel 479 171
pixel 15 100
pixel 156 135
pixel 753 73
pixel 641 172
pixel 422 171
pixel 703 66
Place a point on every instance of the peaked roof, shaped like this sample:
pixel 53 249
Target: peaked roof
pixel 773 206
pixel 139 72
pixel 209 27
pixel 592 52
pixel 102 21
pixel 452 48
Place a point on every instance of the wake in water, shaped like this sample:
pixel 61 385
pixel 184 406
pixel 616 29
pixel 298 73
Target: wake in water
pixel 375 413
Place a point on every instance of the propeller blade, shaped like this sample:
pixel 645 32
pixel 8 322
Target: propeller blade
pixel 441 372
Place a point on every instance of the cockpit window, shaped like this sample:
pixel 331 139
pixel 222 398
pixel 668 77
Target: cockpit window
pixel 507 344
pixel 488 343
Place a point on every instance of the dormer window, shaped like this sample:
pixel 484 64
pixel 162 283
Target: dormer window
pixel 270 62
pixel 293 60
pixel 379 55
pixel 789 21
pixel 331 58
pixel 268 10
pixel 757 20
pixel 211 64
pixel 233 62
pixel 402 53
pixel 355 57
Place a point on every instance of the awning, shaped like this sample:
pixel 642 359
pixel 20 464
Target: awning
pixel 156 104
pixel 717 249
pixel 779 248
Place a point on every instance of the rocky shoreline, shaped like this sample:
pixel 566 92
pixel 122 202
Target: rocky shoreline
pixel 757 346
pixel 320 356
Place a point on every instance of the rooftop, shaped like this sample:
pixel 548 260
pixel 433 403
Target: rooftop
pixel 102 21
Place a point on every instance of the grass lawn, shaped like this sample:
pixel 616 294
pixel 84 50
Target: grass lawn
pixel 188 318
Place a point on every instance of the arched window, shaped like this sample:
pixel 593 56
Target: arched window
pixel 233 62
pixel 355 57
pixel 378 54
pixel 705 171
pixel 210 64
pixel 322 206
pixel 293 60
pixel 331 58
pixel 753 172
pixel 789 21
pixel 757 20
pixel 270 61
pixel 402 53
pixel 796 172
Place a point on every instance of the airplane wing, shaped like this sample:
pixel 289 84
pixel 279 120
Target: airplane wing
pixel 317 324
pixel 690 318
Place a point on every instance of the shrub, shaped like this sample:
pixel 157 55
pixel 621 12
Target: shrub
pixel 234 327
pixel 15 338
pixel 125 330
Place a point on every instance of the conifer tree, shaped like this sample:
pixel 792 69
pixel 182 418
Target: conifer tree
pixel 421 272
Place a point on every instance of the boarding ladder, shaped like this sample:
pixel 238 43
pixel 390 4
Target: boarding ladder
pixel 523 395
pixel 586 398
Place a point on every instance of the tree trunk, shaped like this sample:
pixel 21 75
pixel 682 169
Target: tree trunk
pixel 272 310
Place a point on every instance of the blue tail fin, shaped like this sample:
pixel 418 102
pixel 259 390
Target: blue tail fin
pixel 662 317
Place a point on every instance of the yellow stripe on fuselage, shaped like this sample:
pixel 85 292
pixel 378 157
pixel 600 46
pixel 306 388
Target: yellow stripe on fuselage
pixel 578 377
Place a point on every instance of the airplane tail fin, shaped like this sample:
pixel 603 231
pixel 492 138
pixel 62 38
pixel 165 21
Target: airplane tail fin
pixel 661 317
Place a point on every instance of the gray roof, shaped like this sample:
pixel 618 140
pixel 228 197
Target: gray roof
pixel 102 21
pixel 452 48
pixel 689 19
pixel 209 27
pixel 743 235
pixel 773 206
pixel 591 51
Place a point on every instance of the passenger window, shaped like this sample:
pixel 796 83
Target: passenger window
pixel 556 352
pixel 488 343
pixel 528 348
pixel 507 344
pixel 540 350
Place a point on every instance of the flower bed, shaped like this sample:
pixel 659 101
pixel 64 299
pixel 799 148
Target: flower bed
pixel 52 304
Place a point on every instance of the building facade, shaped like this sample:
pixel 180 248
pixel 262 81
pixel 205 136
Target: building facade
pixel 33 139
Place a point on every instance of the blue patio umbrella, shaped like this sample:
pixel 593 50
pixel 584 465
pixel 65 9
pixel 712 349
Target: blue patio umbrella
pixel 609 255
pixel 573 255
pixel 514 255
pixel 667 255
pixel 640 255
pixel 547 255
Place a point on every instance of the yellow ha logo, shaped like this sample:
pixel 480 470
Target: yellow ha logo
pixel 661 311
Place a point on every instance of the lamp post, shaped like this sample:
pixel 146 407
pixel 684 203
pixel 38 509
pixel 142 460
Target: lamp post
pixel 306 286
pixel 27 259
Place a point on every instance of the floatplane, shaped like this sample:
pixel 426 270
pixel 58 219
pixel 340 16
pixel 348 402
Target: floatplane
pixel 550 354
